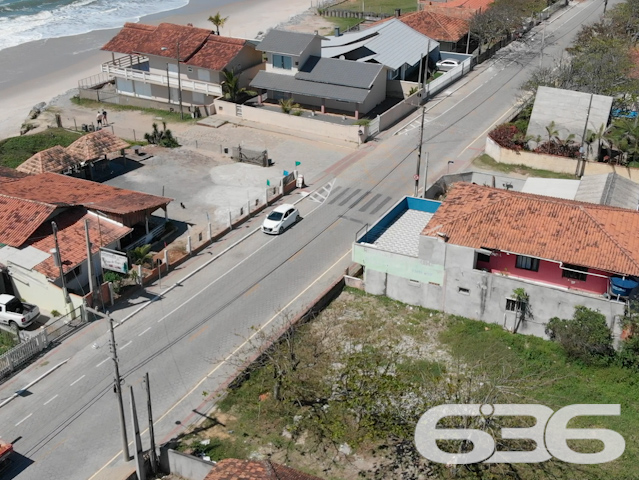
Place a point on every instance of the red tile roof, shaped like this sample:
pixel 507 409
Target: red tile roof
pixel 234 469
pixel 217 52
pixel 54 159
pixel 20 218
pixel 96 145
pixel 56 189
pixel 594 236
pixel 9 174
pixel 468 5
pixel 72 241
pixel 198 46
pixel 438 26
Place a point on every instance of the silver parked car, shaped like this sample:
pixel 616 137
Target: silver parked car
pixel 448 64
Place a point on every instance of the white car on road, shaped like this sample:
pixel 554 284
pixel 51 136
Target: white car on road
pixel 280 219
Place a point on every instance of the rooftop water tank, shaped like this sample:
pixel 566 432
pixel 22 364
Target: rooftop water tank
pixel 619 286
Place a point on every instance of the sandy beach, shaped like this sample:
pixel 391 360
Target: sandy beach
pixel 39 71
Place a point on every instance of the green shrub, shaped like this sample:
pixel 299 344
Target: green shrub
pixel 586 337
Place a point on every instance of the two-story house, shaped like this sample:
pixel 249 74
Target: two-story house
pixel 174 63
pixel 295 69
pixel 470 254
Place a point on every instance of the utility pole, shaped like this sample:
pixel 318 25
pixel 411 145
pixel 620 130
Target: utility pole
pixel 153 455
pixel 419 153
pixel 118 391
pixel 179 82
pixel 168 83
pixel 543 41
pixel 57 259
pixel 137 441
pixel 89 258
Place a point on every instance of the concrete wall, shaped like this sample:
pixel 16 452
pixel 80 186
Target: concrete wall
pixel 393 115
pixel 399 88
pixel 459 289
pixel 349 133
pixel 376 95
pixel 186 466
pixel 34 287
pixel 555 163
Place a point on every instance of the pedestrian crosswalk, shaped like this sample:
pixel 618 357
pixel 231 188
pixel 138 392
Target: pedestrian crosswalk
pixel 354 197
pixel 321 194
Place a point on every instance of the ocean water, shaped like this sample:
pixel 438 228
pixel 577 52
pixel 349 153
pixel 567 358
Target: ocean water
pixel 23 21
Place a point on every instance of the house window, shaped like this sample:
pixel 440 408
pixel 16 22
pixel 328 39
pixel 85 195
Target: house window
pixel 513 305
pixel 482 257
pixel 464 291
pixel 414 283
pixel 527 263
pixel 282 61
pixel 574 275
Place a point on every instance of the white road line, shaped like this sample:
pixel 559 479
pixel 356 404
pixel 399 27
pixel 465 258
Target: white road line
pixel 77 380
pixel 126 345
pixel 105 360
pixel 144 332
pixel 51 399
pixel 23 419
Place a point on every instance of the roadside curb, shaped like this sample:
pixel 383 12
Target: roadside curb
pixel 27 387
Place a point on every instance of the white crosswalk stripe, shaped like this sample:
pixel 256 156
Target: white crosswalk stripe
pixel 321 194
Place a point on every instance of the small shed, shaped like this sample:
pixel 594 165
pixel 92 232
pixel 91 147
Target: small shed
pixel 55 159
pixel 96 145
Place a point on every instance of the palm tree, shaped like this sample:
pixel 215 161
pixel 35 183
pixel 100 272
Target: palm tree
pixel 552 131
pixel 231 87
pixel 624 133
pixel 141 255
pixel 288 104
pixel 218 20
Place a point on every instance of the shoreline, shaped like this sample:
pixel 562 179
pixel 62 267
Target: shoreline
pixel 54 66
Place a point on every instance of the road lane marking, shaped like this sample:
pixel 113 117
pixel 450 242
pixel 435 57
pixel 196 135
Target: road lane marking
pixel 226 359
pixel 23 419
pixel 105 360
pixel 126 345
pixel 198 333
pixel 77 380
pixel 51 399
pixel 144 332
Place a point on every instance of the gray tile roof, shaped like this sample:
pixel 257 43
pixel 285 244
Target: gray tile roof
pixel 393 43
pixel 339 72
pixel 290 84
pixel 287 43
pixel 403 235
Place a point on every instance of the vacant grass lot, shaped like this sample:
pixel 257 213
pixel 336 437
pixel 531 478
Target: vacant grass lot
pixel 487 162
pixel 15 150
pixel 457 361
pixel 378 6
pixel 165 114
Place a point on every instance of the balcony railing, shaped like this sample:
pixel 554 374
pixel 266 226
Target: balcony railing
pixel 162 79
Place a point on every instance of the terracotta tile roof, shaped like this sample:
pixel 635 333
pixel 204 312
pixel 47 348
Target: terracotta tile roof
pixel 468 5
pixel 20 218
pixel 438 26
pixel 150 40
pixel 55 189
pixel 72 241
pixel 594 236
pixel 217 52
pixel 95 145
pixel 54 159
pixel 234 469
pixel 9 174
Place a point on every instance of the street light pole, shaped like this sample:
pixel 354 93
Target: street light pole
pixel 168 82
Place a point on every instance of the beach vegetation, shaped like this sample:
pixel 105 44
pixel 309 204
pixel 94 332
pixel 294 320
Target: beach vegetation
pixel 15 150
pixel 486 162
pixel 162 138
pixel 218 20
pixel 231 87
pixel 352 382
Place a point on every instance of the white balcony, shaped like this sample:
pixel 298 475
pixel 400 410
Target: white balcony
pixel 161 79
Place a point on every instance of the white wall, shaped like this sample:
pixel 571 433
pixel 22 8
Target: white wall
pixel 34 288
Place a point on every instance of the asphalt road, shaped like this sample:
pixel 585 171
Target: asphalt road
pixel 66 426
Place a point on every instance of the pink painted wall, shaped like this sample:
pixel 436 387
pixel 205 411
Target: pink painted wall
pixel 549 272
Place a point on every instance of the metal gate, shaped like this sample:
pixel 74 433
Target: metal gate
pixel 373 128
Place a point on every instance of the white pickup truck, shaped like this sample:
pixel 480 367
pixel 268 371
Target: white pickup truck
pixel 15 313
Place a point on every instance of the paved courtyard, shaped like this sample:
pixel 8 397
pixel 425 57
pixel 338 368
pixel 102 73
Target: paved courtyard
pixel 204 179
